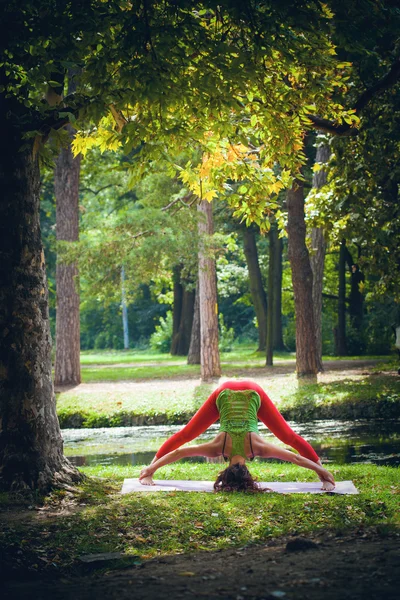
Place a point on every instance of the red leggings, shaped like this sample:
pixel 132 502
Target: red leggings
pixel 267 413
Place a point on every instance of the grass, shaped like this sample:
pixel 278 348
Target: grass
pixel 120 365
pixel 373 396
pixel 142 526
pixel 243 353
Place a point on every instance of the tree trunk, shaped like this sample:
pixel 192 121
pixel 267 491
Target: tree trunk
pixel 317 257
pixel 278 332
pixel 306 350
pixel 125 324
pixel 31 446
pixel 177 308
pixel 271 295
pixel 341 345
pixel 356 298
pixel 194 348
pixel 256 286
pixel 209 352
pixel 185 326
pixel 66 186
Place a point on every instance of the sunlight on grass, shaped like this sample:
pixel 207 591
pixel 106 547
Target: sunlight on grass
pixel 145 525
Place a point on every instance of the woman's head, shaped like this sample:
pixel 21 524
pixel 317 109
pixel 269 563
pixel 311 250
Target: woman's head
pixel 236 478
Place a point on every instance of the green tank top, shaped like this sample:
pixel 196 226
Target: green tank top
pixel 238 415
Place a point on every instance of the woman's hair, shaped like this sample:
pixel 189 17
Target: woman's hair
pixel 236 478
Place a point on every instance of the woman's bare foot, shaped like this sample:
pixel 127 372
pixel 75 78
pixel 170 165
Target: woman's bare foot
pixel 147 480
pixel 327 486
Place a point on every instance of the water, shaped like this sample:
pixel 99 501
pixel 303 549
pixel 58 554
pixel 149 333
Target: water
pixel 341 442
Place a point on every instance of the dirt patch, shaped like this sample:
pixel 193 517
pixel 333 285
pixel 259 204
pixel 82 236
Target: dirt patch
pixel 363 565
pixel 334 371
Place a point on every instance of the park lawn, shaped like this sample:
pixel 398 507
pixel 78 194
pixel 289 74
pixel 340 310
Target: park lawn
pixel 136 365
pixel 142 526
pixel 241 352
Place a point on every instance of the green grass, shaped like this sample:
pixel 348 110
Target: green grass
pixel 142 526
pixel 373 396
pixel 242 353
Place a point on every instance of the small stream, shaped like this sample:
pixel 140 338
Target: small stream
pixel 340 442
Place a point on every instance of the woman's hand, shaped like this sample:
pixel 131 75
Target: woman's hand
pixel 146 476
pixel 328 480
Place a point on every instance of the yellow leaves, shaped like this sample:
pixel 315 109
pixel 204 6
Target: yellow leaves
pixel 210 195
pixel 102 138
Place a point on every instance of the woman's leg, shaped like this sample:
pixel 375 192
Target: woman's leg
pixel 205 416
pixel 272 418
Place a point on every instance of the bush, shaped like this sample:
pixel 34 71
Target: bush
pixel 226 336
pixel 161 339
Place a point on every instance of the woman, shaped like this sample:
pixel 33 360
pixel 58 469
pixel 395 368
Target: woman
pixel 238 405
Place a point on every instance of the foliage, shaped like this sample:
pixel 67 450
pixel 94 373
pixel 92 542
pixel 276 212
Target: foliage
pixel 226 336
pixel 162 337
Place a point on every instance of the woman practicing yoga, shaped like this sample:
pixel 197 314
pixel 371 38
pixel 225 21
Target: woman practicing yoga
pixel 238 405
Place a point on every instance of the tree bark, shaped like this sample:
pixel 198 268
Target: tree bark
pixel 341 345
pixel 125 324
pixel 271 296
pixel 31 446
pixel 256 285
pixel 209 352
pixel 278 332
pixel 66 186
pixel 194 348
pixel 306 350
pixel 185 326
pixel 177 308
pixel 317 257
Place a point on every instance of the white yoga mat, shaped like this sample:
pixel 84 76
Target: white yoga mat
pixel 283 487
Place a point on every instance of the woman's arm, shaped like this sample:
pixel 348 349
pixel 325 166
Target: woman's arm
pixel 210 450
pixel 267 450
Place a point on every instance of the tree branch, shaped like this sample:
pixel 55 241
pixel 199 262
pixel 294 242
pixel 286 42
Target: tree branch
pixel 345 129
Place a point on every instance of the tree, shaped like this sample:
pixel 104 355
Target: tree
pixel 183 310
pixel 277 258
pixel 194 348
pixel 302 278
pixel 341 344
pixel 318 249
pixel 256 285
pixel 66 187
pixel 208 303
pixel 155 89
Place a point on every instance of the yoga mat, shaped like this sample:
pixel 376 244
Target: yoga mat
pixel 283 487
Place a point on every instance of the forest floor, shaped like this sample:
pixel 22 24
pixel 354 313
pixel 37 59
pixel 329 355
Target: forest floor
pixel 363 565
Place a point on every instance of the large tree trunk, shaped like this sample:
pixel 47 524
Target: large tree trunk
pixel 31 446
pixel 271 296
pixel 277 258
pixel 341 345
pixel 306 350
pixel 317 258
pixel 66 186
pixel 194 348
pixel 209 352
pixel 256 285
